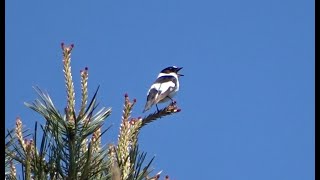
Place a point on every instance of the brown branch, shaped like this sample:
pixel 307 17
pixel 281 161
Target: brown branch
pixel 170 109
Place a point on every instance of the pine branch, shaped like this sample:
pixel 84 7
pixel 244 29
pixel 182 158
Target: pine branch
pixel 68 81
pixel 84 90
pixel 125 139
pixel 169 110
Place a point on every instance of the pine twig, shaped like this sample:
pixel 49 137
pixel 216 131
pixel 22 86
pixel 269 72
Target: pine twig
pixel 170 109
pixel 68 81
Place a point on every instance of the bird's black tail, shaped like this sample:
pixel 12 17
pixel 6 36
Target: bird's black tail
pixel 150 99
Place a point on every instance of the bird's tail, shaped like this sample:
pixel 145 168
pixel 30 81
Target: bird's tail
pixel 150 99
pixel 147 106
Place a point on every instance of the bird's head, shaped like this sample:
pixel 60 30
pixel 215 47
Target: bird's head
pixel 172 69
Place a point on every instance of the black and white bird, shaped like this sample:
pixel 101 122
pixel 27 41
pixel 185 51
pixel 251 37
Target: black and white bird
pixel 164 88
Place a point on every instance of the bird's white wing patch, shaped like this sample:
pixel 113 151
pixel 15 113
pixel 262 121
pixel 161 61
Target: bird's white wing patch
pixel 163 87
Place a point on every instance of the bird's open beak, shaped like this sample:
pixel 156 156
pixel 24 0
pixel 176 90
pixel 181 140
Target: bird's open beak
pixel 179 70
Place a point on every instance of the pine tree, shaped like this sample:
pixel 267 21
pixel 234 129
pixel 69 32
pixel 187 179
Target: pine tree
pixel 70 146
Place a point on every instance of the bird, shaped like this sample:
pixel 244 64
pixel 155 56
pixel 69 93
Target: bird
pixel 164 88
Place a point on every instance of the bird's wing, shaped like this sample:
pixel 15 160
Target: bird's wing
pixel 165 85
pixel 165 90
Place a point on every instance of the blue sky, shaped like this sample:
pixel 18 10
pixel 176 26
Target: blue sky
pixel 247 97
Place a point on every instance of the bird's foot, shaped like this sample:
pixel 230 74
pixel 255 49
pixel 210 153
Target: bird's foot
pixel 157 108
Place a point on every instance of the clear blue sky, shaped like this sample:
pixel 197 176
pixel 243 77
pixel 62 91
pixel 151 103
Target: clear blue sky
pixel 247 97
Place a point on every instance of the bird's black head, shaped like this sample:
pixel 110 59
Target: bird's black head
pixel 172 69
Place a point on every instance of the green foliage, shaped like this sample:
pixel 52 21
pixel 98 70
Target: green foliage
pixel 70 147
